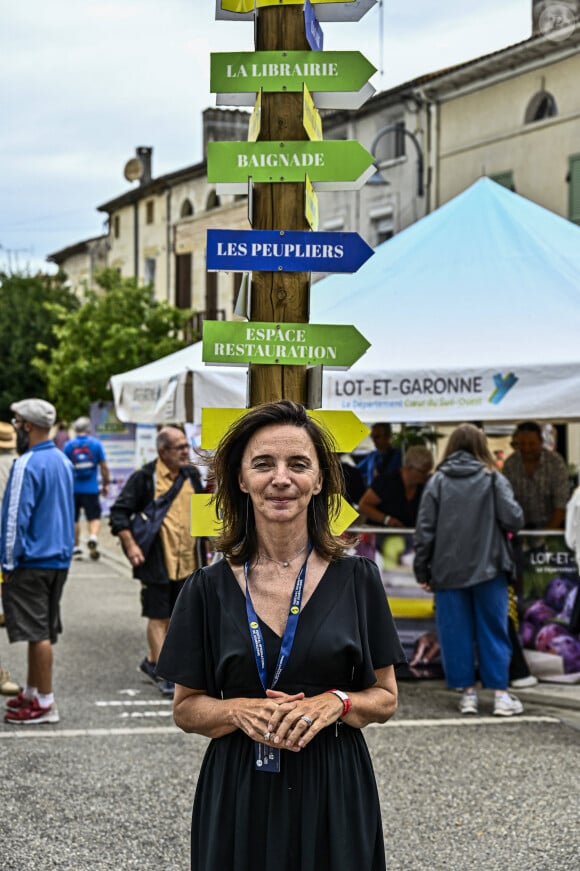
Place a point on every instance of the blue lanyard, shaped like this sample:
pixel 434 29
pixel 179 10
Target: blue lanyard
pixel 289 632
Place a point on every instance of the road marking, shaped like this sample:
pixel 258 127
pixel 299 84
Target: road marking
pixel 465 721
pixel 132 702
pixel 137 714
pixel 173 730
pixel 91 733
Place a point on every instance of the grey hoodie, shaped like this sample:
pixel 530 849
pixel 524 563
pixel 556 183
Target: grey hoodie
pixel 464 514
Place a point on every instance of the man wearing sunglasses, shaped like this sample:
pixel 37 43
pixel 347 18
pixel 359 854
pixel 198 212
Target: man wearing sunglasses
pixel 174 554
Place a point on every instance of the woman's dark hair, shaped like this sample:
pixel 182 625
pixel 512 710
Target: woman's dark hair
pixel 237 539
pixel 467 437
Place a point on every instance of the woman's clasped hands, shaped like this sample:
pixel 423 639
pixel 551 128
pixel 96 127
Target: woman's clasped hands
pixel 290 722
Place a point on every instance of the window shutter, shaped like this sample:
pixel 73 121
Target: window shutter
pixel 574 189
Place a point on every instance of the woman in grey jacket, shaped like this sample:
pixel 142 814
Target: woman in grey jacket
pixel 461 554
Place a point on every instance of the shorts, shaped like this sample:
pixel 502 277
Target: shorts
pixel 158 600
pixel 31 599
pixel 91 504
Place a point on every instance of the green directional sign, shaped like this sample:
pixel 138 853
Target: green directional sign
pixel 336 346
pixel 332 161
pixel 274 71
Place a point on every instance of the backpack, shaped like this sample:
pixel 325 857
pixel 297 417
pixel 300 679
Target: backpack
pixel 83 461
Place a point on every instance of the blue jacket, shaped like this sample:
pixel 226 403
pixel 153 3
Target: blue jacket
pixel 38 511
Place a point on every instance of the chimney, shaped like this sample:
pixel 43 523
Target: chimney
pixel 557 16
pixel 145 155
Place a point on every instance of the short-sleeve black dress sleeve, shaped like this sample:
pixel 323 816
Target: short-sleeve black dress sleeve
pixel 322 810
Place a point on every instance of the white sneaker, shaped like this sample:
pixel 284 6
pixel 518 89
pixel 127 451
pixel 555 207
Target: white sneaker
pixel 522 683
pixel 468 703
pixel 507 705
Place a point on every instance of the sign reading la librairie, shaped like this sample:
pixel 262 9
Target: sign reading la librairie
pixel 276 71
pixel 337 346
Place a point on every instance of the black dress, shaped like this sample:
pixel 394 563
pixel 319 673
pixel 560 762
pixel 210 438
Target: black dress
pixel 321 812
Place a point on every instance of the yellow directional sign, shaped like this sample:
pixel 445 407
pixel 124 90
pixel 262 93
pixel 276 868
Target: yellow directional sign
pixel 203 517
pixel 311 211
pixel 241 6
pixel 204 522
pixel 255 119
pixel 262 3
pixel 346 518
pixel 344 426
pixel 215 422
pixel 311 120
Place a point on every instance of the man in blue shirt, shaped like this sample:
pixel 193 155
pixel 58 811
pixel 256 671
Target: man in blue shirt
pixel 36 544
pixel 88 457
pixel 385 458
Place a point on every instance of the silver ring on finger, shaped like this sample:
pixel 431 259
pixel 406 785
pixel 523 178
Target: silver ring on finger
pixel 306 719
pixel 267 736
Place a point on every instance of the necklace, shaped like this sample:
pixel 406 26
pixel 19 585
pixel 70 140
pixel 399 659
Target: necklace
pixel 285 562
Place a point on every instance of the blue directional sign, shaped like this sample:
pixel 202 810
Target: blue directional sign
pixel 285 251
pixel 313 30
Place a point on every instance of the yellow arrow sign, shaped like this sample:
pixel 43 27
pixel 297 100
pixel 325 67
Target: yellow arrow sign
pixel 255 119
pixel 345 428
pixel 204 522
pixel 311 211
pixel 311 120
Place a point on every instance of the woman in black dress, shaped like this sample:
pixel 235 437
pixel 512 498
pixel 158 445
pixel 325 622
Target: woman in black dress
pixel 281 653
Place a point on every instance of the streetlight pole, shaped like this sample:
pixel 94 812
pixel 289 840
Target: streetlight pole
pixel 400 128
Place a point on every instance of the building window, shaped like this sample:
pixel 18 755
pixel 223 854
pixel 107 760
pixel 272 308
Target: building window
pixel 149 273
pixel 149 211
pixel 391 145
pixel 183 275
pixel 186 210
pixel 116 226
pixel 574 188
pixel 213 201
pixel 541 106
pixel 505 179
pixel 211 295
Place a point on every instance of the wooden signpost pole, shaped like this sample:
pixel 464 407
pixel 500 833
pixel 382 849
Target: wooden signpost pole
pixel 279 297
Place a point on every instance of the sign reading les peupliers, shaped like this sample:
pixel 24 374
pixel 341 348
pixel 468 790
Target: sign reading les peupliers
pixel 285 251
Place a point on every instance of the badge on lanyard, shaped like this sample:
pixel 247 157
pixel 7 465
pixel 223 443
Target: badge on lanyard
pixel 267 759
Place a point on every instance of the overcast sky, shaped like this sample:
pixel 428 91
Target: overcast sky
pixel 83 82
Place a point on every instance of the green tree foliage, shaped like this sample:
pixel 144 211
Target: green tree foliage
pixel 31 307
pixel 113 331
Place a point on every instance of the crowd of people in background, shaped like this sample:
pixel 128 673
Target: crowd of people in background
pixel 393 489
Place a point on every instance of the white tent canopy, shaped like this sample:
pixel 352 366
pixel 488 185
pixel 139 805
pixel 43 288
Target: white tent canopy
pixel 472 313
pixel 164 391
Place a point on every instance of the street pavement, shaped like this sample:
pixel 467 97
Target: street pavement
pixel 110 787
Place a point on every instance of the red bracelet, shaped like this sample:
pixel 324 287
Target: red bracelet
pixel 345 699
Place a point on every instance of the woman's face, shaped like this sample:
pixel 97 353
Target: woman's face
pixel 280 472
